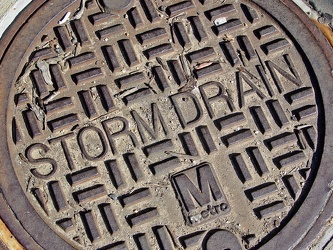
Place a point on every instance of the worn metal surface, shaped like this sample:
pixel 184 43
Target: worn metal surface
pixel 165 125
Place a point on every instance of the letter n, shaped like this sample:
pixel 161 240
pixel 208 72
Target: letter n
pixel 294 77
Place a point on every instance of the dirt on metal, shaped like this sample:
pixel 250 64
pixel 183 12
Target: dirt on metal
pixel 164 125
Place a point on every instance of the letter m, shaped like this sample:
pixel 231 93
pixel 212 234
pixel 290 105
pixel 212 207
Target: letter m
pixel 197 186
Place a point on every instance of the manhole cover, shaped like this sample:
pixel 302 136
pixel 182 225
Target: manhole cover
pixel 164 125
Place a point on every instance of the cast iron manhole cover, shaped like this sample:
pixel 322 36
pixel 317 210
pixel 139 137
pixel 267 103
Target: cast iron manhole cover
pixel 164 125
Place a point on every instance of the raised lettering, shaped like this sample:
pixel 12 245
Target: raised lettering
pixel 122 130
pixel 39 161
pixel 242 93
pixel 293 77
pixel 202 191
pixel 204 214
pixel 89 145
pixel 144 128
pixel 64 146
pixel 188 108
pixel 220 95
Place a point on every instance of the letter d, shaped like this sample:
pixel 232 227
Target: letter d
pixel 188 108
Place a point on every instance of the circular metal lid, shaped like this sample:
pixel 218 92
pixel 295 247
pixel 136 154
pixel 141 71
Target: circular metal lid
pixel 164 125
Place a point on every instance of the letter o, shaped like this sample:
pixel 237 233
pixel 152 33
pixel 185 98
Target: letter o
pixel 83 146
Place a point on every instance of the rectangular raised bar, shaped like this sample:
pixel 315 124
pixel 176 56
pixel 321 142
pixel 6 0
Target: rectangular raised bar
pixel 260 119
pixel 257 160
pixel 106 99
pixel 40 84
pixel 90 226
pixel 133 166
pixel 135 197
pixel 81 32
pixel 222 11
pixel 162 166
pixel 87 76
pixel 89 194
pixel 305 112
pixel 150 10
pixel 62 122
pixel 289 159
pixel 229 26
pixel 275 46
pixel 60 104
pixel 230 53
pixel 142 217
pixel 82 59
pixel 88 104
pixel 261 191
pixel 83 175
pixel 128 52
pixel 158 50
pixel 111 58
pixel 230 120
pixel 152 35
pixel 108 218
pixel 299 95
pixel 237 137
pixel 100 18
pixel 201 55
pixel 266 32
pixel 133 79
pixel 113 30
pixel 179 8
pixel 268 210
pixel 277 112
pixel 199 30
pixel 135 18
pixel 142 93
pixel 281 140
pixel 31 123
pixel 57 77
pixel 206 139
pixel 160 78
pixel 63 37
pixel 57 196
pixel 209 70
pixel 114 173
pixel 240 167
pixel 157 147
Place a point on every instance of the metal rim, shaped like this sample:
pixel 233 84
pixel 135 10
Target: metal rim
pixel 283 238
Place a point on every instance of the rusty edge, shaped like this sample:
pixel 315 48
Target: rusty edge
pixel 328 33
pixel 324 36
pixel 316 30
pixel 10 33
pixel 8 239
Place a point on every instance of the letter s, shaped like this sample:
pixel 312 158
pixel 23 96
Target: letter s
pixel 39 161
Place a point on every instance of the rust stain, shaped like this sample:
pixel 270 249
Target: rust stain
pixel 8 239
pixel 327 31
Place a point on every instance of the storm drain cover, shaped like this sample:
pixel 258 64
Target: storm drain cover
pixel 165 125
